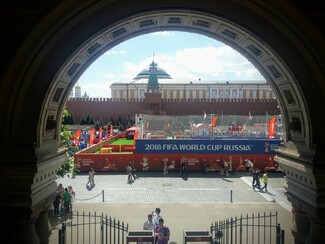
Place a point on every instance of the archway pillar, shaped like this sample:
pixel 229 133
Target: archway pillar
pixel 305 184
pixel 29 192
pixel 43 227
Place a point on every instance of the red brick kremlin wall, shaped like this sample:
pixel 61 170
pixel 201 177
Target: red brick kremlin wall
pixel 107 108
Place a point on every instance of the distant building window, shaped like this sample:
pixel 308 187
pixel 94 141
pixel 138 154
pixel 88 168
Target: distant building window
pixel 254 94
pixel 214 94
pixel 241 94
pixel 267 94
pixel 187 94
pixel 224 93
pixel 181 94
pixel 260 94
pixel 200 94
pixel 168 94
pixel 234 94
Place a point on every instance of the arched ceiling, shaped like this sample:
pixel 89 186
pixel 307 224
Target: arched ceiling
pixel 81 32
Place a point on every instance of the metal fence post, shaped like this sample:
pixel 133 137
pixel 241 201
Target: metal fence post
pixel 282 236
pixel 103 196
pixel 62 234
pixel 231 196
pixel 278 234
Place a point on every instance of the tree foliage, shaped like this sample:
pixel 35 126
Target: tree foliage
pixel 68 168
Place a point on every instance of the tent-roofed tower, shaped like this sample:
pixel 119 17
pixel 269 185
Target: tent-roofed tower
pixel 153 104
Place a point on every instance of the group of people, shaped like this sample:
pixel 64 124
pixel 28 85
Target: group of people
pixel 156 223
pixel 63 200
pixel 256 179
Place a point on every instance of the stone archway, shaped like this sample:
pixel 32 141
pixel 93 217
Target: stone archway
pixel 273 36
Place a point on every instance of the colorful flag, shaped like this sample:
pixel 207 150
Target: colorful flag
pixel 111 130
pixel 91 136
pixel 77 137
pixel 135 136
pixel 100 133
pixel 214 121
pixel 244 127
pixel 272 127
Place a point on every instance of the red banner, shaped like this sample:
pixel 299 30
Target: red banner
pixel 136 133
pixel 100 133
pixel 214 121
pixel 272 127
pixel 111 130
pixel 91 136
pixel 77 137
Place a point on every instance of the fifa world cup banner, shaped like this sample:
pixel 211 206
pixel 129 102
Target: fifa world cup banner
pixel 222 146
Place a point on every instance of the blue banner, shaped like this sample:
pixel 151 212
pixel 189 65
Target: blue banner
pixel 218 146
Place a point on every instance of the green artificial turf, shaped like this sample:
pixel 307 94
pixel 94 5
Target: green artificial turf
pixel 122 141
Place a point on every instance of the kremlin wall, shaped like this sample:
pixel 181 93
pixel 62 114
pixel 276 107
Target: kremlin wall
pixel 106 108
pixel 146 95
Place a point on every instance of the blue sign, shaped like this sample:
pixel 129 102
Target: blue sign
pixel 218 146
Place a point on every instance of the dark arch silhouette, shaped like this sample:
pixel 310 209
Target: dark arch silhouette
pixel 46 47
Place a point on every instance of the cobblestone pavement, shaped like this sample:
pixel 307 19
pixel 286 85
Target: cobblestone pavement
pixel 152 187
pixel 191 204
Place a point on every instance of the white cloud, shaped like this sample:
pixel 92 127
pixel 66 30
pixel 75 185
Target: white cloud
pixel 189 64
pixel 109 75
pixel 161 33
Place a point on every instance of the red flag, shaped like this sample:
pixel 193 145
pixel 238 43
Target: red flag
pixel 100 133
pixel 77 137
pixel 111 130
pixel 244 127
pixel 147 125
pixel 91 136
pixel 136 133
pixel 214 121
pixel 272 127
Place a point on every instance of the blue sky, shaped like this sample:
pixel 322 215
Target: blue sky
pixel 185 56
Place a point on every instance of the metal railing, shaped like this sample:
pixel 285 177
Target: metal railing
pixel 91 229
pixel 250 229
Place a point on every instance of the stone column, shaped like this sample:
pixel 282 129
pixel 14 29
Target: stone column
pixel 305 187
pixel 43 227
pixel 316 232
pixel 22 233
pixel 300 226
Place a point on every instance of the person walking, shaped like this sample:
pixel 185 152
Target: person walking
pixel 91 178
pixel 129 172
pixel 66 200
pixel 256 179
pixel 165 168
pixel 133 170
pixel 265 180
pixel 183 167
pixel 162 232
pixel 56 204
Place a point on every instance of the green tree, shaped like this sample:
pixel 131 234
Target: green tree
pixel 88 119
pixel 71 120
pixel 91 121
pixel 83 120
pixel 69 167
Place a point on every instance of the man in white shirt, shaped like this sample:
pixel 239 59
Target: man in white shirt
pixel 149 224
